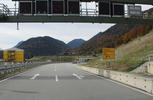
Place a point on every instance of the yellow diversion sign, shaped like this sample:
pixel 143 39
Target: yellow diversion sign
pixel 108 53
pixel 76 59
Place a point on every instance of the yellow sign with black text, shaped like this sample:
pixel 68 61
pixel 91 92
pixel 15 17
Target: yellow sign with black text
pixel 108 53
pixel 76 59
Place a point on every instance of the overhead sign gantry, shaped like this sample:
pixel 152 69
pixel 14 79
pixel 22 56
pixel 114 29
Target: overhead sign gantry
pixel 106 11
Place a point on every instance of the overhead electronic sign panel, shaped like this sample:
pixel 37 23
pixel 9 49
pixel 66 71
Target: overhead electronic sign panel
pixel 58 7
pixel 25 7
pixel 33 7
pixel 118 9
pixel 104 8
pixel 108 53
pixel 23 0
pixel 73 7
pixel 134 10
pixel 42 7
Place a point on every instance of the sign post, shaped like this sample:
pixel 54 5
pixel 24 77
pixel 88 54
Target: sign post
pixel 108 53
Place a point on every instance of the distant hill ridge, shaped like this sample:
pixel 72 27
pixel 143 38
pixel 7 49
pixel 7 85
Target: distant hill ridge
pixel 43 46
pixel 18 44
pixel 76 43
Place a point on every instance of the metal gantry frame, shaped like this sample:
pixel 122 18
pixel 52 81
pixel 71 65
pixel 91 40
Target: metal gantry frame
pixel 11 15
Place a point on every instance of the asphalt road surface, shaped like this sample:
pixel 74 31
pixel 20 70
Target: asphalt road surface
pixel 63 81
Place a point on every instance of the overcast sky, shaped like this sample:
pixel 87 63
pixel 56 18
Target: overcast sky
pixel 10 36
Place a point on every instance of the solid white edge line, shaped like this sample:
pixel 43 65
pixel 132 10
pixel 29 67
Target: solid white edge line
pixel 102 77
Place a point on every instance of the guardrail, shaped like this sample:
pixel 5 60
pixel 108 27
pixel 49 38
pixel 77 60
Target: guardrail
pixel 8 70
pixel 142 83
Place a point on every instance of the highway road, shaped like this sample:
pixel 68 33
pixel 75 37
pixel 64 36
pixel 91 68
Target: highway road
pixel 63 81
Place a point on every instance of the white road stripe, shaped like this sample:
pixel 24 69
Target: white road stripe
pixel 68 65
pixel 35 76
pixel 56 78
pixel 55 69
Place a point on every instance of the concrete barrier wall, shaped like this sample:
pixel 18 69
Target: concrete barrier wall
pixel 150 68
pixel 132 80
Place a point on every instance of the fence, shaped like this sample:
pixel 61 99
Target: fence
pixel 8 70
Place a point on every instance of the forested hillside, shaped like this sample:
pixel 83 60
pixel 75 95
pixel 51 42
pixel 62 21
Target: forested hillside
pixel 116 35
pixel 43 46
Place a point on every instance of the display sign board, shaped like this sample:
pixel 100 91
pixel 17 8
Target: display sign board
pixel 104 8
pixel 41 7
pixel 73 7
pixel 134 10
pixel 23 0
pixel 76 59
pixel 25 7
pixel 33 7
pixel 58 7
pixel 118 9
pixel 108 53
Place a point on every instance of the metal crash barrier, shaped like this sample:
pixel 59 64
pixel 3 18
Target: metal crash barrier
pixel 12 69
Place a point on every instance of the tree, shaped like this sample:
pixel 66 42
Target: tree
pixel 30 56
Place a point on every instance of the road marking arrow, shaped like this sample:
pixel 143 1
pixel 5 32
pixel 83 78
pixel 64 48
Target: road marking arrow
pixel 79 77
pixel 35 76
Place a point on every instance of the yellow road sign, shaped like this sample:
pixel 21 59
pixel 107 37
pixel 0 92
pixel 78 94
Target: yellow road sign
pixel 108 53
pixel 76 59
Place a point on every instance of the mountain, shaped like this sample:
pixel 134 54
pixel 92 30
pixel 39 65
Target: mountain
pixel 43 46
pixel 1 54
pixel 115 36
pixel 97 35
pixel 18 44
pixel 63 43
pixel 96 43
pixel 76 43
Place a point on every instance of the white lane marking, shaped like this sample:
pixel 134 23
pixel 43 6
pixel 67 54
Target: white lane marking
pixel 55 69
pixel 79 77
pixel 118 83
pixel 34 76
pixel 68 65
pixel 19 74
pixel 56 78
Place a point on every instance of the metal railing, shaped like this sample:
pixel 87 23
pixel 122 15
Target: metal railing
pixel 11 69
pixel 83 12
